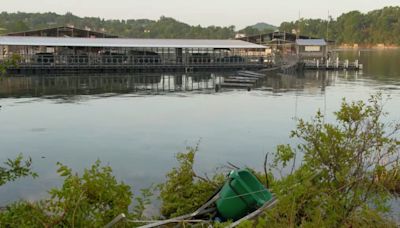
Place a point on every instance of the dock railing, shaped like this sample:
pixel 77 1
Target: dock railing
pixel 331 64
pixel 49 60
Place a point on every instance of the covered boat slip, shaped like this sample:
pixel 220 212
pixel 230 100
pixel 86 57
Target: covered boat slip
pixel 65 53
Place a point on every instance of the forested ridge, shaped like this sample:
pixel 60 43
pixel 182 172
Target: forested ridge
pixel 374 27
pixel 164 27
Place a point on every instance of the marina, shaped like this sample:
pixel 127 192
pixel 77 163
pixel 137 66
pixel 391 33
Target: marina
pixel 52 53
pixel 68 50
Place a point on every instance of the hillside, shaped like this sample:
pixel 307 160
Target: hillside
pixel 264 26
pixel 375 27
pixel 164 27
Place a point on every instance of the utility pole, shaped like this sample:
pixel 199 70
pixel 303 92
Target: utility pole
pixel 327 28
pixel 298 27
pixel 327 37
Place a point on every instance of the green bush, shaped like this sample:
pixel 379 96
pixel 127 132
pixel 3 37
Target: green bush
pixel 184 191
pixel 15 169
pixel 90 200
pixel 348 171
pixel 11 61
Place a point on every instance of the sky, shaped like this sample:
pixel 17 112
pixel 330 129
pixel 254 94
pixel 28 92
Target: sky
pixel 239 13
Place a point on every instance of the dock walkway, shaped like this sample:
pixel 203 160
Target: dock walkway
pixel 333 65
pixel 242 79
pixel 128 68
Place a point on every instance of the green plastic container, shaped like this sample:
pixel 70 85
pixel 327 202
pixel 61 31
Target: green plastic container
pixel 241 194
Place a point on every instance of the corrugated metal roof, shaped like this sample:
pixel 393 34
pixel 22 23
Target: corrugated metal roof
pixel 62 28
pixel 311 42
pixel 121 42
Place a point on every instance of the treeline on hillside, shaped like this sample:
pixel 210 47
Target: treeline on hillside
pixel 165 27
pixel 374 27
pixel 259 28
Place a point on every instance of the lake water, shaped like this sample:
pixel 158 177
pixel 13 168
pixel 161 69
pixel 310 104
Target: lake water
pixel 137 123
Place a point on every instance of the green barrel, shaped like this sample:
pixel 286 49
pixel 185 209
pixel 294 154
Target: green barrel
pixel 241 194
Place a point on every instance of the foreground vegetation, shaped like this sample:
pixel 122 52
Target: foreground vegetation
pixel 374 27
pixel 348 175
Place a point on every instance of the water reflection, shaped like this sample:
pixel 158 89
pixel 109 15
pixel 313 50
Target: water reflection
pixel 379 66
pixel 66 86
pixel 138 135
pixel 382 64
pixel 312 81
pixel 38 86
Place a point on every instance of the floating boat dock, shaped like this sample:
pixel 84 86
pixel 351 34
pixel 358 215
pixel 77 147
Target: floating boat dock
pixel 40 55
pixel 242 79
pixel 250 79
pixel 333 65
pixel 68 50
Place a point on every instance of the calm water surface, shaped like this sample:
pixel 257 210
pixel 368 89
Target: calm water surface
pixel 136 125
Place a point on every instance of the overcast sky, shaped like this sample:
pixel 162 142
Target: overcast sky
pixel 204 12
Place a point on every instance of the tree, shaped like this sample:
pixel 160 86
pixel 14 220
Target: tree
pixel 16 168
pixel 90 200
pixel 250 31
pixel 184 191
pixel 11 61
pixel 349 172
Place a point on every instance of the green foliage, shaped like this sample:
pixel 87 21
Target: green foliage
pixel 347 172
pixel 184 191
pixel 165 27
pixel 141 202
pixel 15 169
pixel 257 29
pixel 11 61
pixel 378 26
pixel 350 170
pixel 264 26
pixel 90 200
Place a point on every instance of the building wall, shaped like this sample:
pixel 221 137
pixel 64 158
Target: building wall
pixel 307 52
pixel 93 56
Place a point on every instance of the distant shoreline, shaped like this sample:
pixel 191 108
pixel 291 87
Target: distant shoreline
pixel 367 46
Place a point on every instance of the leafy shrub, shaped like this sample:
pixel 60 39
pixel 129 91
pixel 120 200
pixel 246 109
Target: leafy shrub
pixel 11 61
pixel 90 200
pixel 184 191
pixel 350 171
pixel 347 173
pixel 15 169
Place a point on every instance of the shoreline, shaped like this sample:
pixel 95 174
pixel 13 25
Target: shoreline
pixel 367 46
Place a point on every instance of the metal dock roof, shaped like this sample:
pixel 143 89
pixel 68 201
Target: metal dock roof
pixel 124 42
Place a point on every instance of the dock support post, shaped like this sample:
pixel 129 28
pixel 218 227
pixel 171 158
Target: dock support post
pixel 347 64
pixel 337 62
pixel 356 64
pixel 317 63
